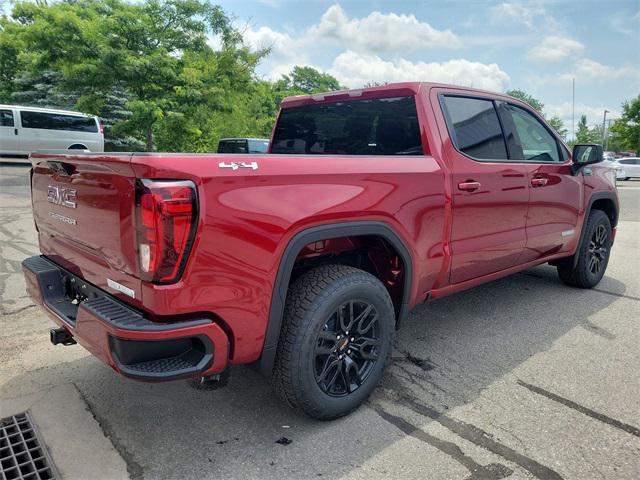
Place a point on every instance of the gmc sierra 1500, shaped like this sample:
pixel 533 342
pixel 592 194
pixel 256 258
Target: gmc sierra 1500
pixel 304 261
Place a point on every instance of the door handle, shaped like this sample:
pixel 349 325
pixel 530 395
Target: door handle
pixel 15 131
pixel 539 182
pixel 469 186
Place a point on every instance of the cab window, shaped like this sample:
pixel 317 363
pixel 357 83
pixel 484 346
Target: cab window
pixel 532 141
pixel 474 127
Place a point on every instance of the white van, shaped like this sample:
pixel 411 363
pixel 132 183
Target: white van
pixel 26 129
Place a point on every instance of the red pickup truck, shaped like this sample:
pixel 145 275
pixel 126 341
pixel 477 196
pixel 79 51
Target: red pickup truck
pixel 305 260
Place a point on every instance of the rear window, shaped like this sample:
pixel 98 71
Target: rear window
pixel 385 126
pixel 232 146
pixel 258 146
pixel 57 121
pixel 474 127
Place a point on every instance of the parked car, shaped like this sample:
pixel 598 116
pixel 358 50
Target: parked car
pixel 619 169
pixel 243 145
pixel 303 262
pixel 26 129
pixel 630 167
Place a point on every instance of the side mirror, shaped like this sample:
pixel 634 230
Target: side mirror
pixel 586 154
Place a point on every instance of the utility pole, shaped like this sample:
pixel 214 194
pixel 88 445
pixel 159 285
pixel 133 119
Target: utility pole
pixel 573 109
pixel 606 137
pixel 604 126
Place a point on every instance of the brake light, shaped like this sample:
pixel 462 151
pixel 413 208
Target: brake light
pixel 166 223
pixel 100 127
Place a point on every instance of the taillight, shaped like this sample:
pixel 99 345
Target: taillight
pixel 100 127
pixel 166 222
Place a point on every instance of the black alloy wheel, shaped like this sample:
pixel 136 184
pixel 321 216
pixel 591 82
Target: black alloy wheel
pixel 598 249
pixel 347 348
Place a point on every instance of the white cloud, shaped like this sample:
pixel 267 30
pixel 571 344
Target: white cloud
pixel 379 32
pixel 518 12
pixel 623 24
pixel 554 49
pixel 286 51
pixel 594 113
pixel 270 3
pixel 586 69
pixel 356 69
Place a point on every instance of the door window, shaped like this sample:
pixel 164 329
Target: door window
pixel 6 118
pixel 474 127
pixel 532 141
pixel 58 121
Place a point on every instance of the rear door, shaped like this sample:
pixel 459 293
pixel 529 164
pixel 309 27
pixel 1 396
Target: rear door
pixel 9 138
pixel 490 193
pixel 555 199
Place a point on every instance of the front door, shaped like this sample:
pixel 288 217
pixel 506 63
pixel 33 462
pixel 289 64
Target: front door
pixel 555 198
pixel 490 193
pixel 9 138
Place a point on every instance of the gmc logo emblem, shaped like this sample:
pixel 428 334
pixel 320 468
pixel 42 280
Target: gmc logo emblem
pixel 61 196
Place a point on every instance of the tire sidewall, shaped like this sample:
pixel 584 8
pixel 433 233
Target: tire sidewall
pixel 368 290
pixel 599 218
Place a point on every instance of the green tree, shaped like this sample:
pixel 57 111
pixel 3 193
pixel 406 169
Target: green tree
pixel 626 129
pixel 558 125
pixel 527 98
pixel 308 80
pixel 155 55
pixel 584 134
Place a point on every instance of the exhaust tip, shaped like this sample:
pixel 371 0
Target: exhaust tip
pixel 61 336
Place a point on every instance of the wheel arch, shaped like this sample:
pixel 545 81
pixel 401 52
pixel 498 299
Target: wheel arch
pixel 287 262
pixel 604 201
pixel 77 146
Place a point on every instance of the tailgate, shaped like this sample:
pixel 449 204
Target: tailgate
pixel 83 207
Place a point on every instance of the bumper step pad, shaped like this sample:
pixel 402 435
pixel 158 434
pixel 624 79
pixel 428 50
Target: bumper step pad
pixel 153 356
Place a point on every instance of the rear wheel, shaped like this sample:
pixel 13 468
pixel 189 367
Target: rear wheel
pixel 593 254
pixel 336 338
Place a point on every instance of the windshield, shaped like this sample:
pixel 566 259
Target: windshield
pixel 385 126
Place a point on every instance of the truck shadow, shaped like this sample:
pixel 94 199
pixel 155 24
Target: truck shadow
pixel 446 353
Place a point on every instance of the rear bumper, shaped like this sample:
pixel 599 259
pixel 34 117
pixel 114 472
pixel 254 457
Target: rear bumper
pixel 120 335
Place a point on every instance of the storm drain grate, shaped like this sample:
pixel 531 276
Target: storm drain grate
pixel 22 455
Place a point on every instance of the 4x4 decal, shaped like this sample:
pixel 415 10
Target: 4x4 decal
pixel 237 165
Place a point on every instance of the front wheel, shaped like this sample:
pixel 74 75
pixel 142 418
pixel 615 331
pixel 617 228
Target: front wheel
pixel 336 338
pixel 593 254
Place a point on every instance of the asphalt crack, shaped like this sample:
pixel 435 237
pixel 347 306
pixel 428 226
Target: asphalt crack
pixel 134 469
pixel 492 471
pixel 582 409
pixel 474 434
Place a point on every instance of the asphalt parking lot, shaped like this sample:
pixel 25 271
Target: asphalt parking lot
pixel 520 378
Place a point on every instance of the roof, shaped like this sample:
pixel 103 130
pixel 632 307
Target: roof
pixel 391 89
pixel 47 110
pixel 245 138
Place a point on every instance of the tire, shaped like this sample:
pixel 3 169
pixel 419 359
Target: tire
pixel 596 242
pixel 316 371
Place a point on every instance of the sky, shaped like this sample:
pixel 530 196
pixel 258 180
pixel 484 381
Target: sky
pixel 536 46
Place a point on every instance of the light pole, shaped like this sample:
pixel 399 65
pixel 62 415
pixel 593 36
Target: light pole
pixel 604 121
